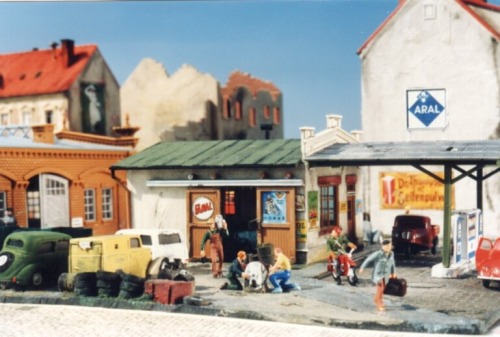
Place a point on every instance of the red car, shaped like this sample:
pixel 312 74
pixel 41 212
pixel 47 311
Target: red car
pixel 414 233
pixel 488 261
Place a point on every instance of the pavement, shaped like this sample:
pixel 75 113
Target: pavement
pixel 431 305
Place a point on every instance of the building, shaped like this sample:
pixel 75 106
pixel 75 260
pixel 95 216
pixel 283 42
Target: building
pixel 430 72
pixel 69 86
pixel 263 189
pixel 63 179
pixel 189 105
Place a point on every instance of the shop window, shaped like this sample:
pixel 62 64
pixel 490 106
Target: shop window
pixel 107 204
pixel 89 204
pixel 329 212
pixel 229 202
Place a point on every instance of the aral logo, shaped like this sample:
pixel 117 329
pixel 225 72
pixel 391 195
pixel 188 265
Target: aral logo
pixel 202 208
pixel 426 108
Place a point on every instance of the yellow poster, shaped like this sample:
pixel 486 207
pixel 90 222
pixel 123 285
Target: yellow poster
pixel 301 231
pixel 415 190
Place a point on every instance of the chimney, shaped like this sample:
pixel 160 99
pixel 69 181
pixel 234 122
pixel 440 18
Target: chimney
pixel 43 133
pixel 333 121
pixel 67 52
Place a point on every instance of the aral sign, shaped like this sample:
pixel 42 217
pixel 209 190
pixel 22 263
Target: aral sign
pixel 426 108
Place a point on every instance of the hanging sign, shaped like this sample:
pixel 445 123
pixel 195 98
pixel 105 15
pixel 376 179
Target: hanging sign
pixel 202 208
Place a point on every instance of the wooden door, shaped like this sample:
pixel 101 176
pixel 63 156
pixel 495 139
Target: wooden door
pixel 202 207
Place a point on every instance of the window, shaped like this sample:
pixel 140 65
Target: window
pixel 33 199
pixel 237 115
pixel 328 187
pixel 228 109
pixel 252 118
pixel 267 112
pixel 107 204
pixel 277 116
pixel 46 247
pixel 147 240
pixel 54 187
pixel 89 204
pixel 27 118
pixel 135 243
pixel 3 204
pixel 4 119
pixel 62 246
pixel 168 239
pixel 229 202
pixel 49 117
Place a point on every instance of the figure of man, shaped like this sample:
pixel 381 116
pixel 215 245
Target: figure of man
pixel 218 231
pixel 280 273
pixel 384 268
pixel 236 269
pixel 337 245
pixel 9 219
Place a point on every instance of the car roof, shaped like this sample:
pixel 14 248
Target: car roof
pixel 38 235
pixel 148 231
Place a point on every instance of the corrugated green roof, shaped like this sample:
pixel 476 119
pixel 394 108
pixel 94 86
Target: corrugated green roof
pixel 207 154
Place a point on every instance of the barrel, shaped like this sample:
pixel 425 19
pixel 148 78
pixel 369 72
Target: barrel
pixel 266 254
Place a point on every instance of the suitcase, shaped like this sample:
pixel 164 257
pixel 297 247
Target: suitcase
pixel 396 287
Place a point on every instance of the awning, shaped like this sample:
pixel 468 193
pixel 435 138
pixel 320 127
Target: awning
pixel 226 183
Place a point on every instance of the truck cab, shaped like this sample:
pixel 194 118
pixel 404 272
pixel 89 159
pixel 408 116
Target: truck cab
pixel 414 233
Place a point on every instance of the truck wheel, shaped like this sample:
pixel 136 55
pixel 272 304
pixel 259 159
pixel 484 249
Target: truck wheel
pixel 486 283
pixel 37 279
pixel 62 282
pixel 408 252
pixel 434 245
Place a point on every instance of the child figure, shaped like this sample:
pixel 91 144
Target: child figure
pixel 384 268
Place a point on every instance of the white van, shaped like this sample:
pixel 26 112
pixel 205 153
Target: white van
pixel 165 243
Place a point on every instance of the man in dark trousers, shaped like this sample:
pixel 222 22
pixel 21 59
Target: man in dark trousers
pixel 384 268
pixel 218 231
pixel 236 270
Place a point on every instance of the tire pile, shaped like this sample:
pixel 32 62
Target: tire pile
pixel 109 284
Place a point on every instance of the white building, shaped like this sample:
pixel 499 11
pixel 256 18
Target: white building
pixel 431 72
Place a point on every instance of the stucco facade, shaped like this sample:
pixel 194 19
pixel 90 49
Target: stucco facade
pixel 441 47
pixel 68 86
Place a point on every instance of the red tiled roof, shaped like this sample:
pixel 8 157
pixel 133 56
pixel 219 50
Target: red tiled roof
pixel 41 72
pixel 466 4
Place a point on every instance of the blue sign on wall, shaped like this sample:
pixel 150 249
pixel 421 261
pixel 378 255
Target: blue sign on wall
pixel 426 108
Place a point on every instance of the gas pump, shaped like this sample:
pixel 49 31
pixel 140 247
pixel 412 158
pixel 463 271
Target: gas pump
pixel 467 229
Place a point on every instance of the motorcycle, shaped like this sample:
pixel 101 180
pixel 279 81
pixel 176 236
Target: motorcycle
pixel 344 265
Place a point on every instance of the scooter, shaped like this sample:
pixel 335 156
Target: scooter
pixel 346 268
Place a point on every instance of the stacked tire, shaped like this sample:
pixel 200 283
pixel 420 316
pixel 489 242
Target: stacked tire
pixel 131 286
pixel 108 283
pixel 86 284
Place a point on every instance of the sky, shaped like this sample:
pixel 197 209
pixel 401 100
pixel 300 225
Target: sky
pixel 308 49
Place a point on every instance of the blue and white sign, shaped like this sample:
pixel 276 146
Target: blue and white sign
pixel 426 108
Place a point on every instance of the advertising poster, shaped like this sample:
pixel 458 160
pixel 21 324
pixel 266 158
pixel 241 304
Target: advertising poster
pixel 301 231
pixel 312 204
pixel 274 207
pixel 414 189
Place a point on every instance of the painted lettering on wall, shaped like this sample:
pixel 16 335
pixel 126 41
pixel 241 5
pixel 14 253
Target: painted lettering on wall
pixel 399 190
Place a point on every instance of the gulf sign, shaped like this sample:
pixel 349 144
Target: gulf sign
pixel 202 208
pixel 426 109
